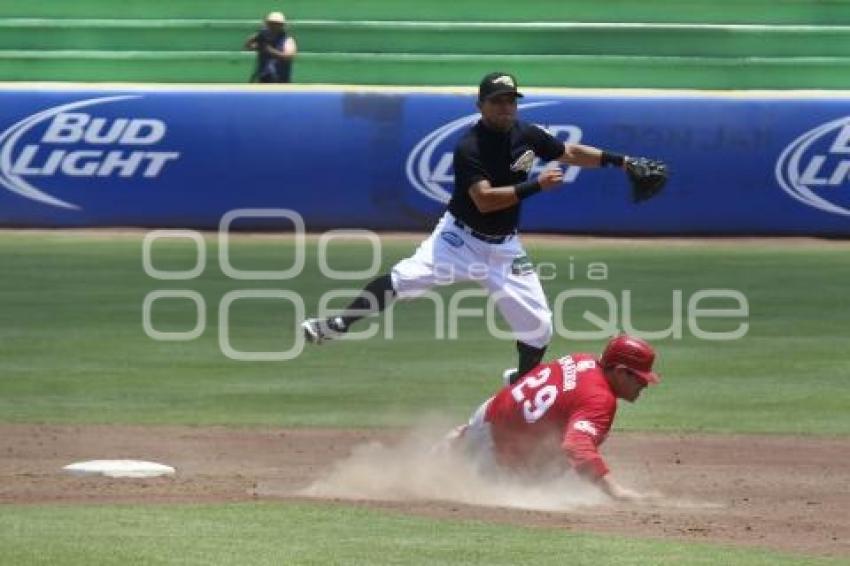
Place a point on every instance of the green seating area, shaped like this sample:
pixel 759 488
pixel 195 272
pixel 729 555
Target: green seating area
pixel 751 44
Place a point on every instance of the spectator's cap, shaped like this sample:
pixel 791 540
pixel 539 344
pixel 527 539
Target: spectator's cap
pixel 633 354
pixel 276 18
pixel 497 83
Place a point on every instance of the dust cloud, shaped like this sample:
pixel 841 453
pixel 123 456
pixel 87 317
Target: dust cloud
pixel 416 468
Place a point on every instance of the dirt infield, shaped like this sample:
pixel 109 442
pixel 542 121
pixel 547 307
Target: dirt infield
pixel 784 493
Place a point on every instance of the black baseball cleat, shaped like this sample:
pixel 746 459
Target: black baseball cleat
pixel 320 330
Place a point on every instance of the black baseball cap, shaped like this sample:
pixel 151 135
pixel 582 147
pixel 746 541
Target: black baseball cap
pixel 497 83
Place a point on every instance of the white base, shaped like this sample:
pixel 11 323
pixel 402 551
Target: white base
pixel 119 469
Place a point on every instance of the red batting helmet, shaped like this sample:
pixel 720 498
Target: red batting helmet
pixel 634 354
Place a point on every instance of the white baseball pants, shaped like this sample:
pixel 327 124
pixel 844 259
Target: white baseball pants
pixel 451 255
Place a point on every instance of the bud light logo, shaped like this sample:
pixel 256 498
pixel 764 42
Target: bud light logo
pixel 67 142
pixel 429 165
pixel 815 168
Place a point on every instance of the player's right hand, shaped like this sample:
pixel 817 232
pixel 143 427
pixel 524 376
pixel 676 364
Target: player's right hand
pixel 629 495
pixel 551 178
pixel 619 493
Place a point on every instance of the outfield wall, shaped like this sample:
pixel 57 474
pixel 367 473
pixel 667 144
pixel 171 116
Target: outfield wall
pixel 380 158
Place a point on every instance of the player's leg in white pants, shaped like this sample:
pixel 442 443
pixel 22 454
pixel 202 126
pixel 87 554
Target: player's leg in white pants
pixel 518 294
pixel 447 256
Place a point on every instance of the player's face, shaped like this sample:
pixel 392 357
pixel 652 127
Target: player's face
pixel 629 385
pixel 499 111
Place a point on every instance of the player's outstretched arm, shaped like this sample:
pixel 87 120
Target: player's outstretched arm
pixel 588 156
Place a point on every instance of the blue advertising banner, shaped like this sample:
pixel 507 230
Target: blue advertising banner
pixel 382 159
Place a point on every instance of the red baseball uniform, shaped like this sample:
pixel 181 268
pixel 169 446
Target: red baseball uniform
pixel 563 405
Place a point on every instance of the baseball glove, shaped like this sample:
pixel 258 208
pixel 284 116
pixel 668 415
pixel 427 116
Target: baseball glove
pixel 646 176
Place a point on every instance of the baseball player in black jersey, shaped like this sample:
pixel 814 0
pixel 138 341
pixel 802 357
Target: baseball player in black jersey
pixel 478 232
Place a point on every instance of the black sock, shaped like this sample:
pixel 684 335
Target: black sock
pixel 529 356
pixel 372 300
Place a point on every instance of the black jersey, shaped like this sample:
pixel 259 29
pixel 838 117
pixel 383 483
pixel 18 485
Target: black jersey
pixel 484 153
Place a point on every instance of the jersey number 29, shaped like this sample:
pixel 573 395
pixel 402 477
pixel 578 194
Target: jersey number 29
pixel 535 399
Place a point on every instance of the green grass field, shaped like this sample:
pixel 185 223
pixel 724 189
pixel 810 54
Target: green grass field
pixel 73 350
pixel 297 534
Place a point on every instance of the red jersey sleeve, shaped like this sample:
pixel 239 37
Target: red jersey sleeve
pixel 585 431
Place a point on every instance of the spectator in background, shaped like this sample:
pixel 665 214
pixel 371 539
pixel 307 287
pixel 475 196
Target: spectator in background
pixel 275 51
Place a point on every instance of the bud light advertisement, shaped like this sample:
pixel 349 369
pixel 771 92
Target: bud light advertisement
pixel 740 164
